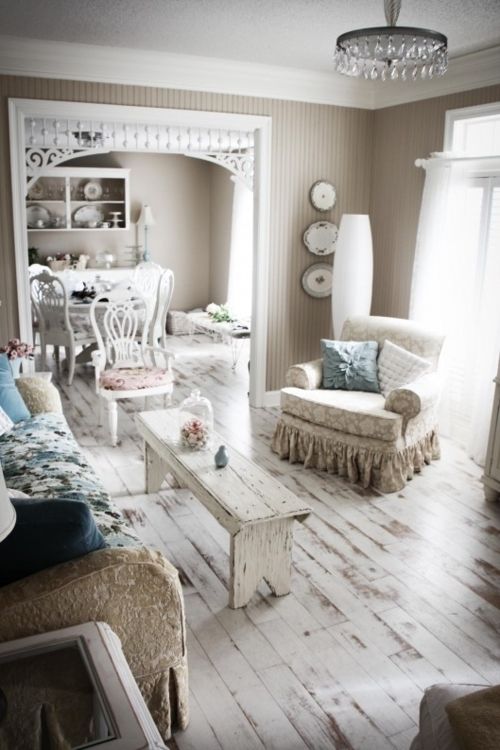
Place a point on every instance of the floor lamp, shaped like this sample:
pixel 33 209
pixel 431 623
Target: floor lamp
pixel 147 220
pixel 352 270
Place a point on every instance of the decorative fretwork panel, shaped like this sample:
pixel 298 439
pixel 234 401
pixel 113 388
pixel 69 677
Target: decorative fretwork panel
pixel 52 141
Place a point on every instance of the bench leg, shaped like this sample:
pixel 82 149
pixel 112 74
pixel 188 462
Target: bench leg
pixel 155 469
pixel 260 551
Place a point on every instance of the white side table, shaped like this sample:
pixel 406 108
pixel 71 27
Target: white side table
pixel 73 683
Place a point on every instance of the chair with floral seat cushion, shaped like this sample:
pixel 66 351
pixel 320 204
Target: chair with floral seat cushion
pixel 126 365
pixel 376 439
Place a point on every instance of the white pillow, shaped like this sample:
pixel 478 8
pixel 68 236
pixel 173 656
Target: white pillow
pixel 6 423
pixel 397 367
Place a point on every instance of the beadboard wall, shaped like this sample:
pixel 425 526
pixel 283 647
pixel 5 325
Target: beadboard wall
pixel 401 135
pixel 309 141
pixel 369 155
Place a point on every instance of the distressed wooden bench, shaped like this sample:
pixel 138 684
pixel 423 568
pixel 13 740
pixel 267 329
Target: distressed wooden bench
pixel 256 510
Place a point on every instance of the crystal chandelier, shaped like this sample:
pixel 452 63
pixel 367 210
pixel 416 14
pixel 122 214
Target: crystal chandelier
pixel 394 52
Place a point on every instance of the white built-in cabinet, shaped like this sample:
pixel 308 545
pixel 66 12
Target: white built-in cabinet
pixel 75 199
pixel 491 477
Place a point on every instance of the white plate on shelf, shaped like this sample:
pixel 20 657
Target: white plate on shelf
pixel 86 215
pixel 320 238
pixel 92 191
pixel 38 217
pixel 317 280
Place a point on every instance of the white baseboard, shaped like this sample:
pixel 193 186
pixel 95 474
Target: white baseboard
pixel 271 398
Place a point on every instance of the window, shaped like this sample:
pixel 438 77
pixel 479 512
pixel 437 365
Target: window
pixel 456 284
pixel 474 131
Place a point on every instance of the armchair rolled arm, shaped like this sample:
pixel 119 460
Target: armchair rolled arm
pixel 307 375
pixel 136 591
pixel 415 397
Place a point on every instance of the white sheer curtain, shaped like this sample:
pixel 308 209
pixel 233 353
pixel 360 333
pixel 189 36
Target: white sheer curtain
pixel 456 288
pixel 239 294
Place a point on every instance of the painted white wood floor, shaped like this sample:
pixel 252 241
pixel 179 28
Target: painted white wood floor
pixel 390 593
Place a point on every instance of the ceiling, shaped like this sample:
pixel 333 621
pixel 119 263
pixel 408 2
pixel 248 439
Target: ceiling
pixel 289 33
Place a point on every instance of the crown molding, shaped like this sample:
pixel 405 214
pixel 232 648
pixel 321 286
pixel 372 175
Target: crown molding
pixel 473 71
pixel 84 62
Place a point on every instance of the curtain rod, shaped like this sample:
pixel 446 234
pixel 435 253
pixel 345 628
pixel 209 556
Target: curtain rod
pixel 444 157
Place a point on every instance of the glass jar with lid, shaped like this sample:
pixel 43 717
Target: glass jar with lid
pixel 196 422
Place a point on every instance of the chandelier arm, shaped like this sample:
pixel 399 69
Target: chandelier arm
pixel 392 8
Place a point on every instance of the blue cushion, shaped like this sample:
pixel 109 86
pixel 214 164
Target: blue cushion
pixel 47 532
pixel 11 400
pixel 350 365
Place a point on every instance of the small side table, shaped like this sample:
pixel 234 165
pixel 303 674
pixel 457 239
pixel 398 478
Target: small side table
pixel 73 684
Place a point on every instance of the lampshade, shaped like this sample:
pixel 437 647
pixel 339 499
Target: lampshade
pixel 352 270
pixel 146 218
pixel 7 512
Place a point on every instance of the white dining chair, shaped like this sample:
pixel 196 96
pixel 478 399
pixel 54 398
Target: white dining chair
pixel 49 299
pixel 165 290
pixel 126 365
pixel 156 285
pixel 145 279
pixel 35 269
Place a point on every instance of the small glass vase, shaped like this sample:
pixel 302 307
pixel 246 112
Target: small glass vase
pixel 196 422
pixel 15 366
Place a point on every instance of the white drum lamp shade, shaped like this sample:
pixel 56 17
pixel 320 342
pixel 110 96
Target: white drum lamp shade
pixel 352 270
pixel 7 512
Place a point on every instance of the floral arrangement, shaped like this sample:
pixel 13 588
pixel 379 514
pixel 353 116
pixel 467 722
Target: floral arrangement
pixel 220 313
pixel 15 349
pixel 194 434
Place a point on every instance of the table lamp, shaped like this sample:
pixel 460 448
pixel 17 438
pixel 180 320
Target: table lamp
pixel 147 219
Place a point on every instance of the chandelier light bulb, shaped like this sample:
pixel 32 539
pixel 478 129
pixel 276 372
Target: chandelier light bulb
pixel 392 52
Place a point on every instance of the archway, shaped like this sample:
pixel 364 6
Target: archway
pixel 46 133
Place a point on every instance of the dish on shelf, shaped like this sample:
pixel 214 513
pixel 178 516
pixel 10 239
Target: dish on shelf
pixel 88 216
pixel 317 280
pixel 35 193
pixel 320 238
pixel 92 191
pixel 38 217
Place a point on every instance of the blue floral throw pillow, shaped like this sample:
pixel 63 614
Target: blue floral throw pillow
pixel 350 365
pixel 11 400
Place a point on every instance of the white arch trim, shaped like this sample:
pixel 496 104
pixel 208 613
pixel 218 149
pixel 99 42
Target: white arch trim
pixel 23 111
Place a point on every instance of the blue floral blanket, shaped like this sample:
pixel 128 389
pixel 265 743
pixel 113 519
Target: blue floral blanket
pixel 41 457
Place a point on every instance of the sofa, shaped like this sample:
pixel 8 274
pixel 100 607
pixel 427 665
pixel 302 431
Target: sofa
pixel 132 588
pixel 375 440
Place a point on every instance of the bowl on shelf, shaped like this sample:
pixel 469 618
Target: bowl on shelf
pixel 58 265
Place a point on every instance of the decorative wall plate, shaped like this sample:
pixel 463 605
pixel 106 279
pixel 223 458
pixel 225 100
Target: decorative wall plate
pixel 317 280
pixel 38 217
pixel 86 215
pixel 320 237
pixel 323 195
pixel 92 191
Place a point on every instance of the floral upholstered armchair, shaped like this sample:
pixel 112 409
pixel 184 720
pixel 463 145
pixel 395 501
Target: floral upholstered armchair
pixel 376 440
